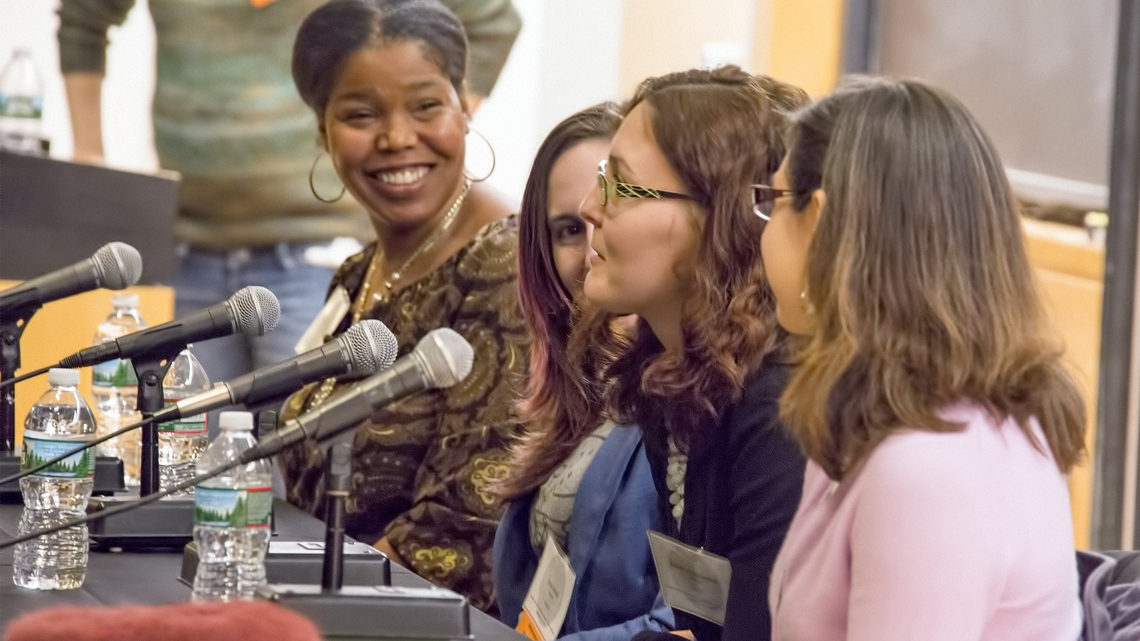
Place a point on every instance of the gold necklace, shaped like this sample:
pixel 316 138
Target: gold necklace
pixel 390 283
pixel 362 299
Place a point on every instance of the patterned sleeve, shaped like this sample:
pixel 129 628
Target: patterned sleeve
pixel 446 534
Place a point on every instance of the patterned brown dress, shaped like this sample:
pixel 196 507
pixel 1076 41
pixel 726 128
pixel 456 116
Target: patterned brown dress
pixel 422 466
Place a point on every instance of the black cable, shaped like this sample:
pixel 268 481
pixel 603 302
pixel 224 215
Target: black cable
pixel 86 446
pixel 24 377
pixel 125 507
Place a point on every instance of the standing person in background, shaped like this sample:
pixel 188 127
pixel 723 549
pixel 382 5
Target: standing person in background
pixel 226 117
pixel 676 242
pixel 932 404
pixel 575 478
pixel 385 80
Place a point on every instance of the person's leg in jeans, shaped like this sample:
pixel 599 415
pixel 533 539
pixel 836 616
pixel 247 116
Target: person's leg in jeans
pixel 300 288
pixel 203 279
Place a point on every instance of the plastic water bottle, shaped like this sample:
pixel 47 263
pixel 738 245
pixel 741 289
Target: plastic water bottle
pixel 114 389
pixel 181 442
pixel 231 516
pixel 58 423
pixel 21 104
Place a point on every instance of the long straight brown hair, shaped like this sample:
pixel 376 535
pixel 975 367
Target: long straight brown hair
pixel 918 276
pixel 562 404
pixel 721 130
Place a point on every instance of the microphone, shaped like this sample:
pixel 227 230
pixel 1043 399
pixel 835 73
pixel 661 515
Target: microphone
pixel 441 359
pixel 366 348
pixel 251 310
pixel 113 266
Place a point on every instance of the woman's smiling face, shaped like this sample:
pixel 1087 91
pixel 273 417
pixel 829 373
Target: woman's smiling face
pixel 394 127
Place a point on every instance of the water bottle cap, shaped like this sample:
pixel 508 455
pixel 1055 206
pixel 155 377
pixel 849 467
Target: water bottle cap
pixel 125 300
pixel 240 421
pixel 63 377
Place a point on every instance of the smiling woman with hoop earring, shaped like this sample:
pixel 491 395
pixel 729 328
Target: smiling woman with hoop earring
pixel 385 79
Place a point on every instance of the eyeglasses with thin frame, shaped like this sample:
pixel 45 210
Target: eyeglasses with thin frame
pixel 764 196
pixel 610 189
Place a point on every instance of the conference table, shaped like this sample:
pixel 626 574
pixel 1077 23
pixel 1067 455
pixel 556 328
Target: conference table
pixel 151 577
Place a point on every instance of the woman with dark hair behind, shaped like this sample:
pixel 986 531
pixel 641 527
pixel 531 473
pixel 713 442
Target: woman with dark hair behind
pixel 929 398
pixel 676 242
pixel 385 79
pixel 575 479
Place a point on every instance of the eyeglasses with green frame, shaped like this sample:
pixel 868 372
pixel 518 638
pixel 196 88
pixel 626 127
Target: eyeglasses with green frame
pixel 764 197
pixel 610 189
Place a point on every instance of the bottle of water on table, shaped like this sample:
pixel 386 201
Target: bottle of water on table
pixel 231 516
pixel 21 105
pixel 58 423
pixel 181 442
pixel 114 389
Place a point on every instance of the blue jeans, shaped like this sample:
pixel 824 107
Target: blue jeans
pixel 206 277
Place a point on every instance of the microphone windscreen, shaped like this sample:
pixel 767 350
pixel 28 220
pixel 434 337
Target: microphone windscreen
pixel 118 265
pixel 447 356
pixel 371 345
pixel 256 309
pixel 245 620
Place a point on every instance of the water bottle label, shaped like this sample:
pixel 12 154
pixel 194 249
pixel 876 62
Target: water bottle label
pixel 259 506
pixel 223 507
pixel 21 106
pixel 39 450
pixel 114 373
pixel 185 425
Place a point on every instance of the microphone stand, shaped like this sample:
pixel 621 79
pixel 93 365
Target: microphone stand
pixel 108 469
pixel 150 370
pixel 161 524
pixel 12 327
pixel 338 475
pixel 374 611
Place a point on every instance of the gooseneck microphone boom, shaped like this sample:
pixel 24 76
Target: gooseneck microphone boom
pixel 112 266
pixel 442 358
pixel 252 311
pixel 366 348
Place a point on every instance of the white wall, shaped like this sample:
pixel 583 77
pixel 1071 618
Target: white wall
pixel 127 136
pixel 566 58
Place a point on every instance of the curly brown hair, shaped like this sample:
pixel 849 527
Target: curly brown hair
pixel 918 278
pixel 721 130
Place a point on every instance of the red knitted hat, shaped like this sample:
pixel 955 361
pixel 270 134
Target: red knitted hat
pixel 234 621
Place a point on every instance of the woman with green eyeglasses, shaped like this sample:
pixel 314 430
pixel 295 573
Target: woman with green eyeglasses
pixel 676 241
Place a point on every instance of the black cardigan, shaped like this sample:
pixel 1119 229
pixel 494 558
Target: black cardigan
pixel 741 491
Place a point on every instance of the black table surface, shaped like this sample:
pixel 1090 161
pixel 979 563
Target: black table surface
pixel 151 577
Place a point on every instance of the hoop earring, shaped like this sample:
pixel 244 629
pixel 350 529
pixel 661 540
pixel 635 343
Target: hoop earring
pixel 313 188
pixel 493 160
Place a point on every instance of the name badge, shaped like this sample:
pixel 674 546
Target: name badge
pixel 692 579
pixel 548 598
pixel 326 321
